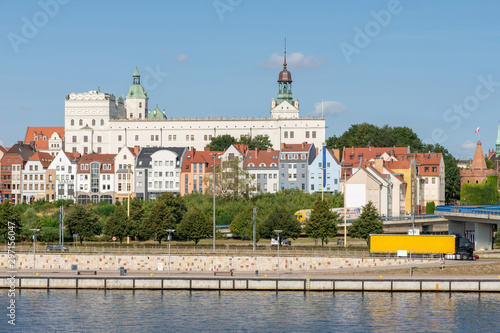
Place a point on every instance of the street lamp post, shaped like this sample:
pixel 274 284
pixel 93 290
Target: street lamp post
pixel 345 207
pixel 34 247
pixel 169 239
pixel 278 232
pixel 213 182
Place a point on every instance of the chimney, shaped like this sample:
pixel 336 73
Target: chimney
pixel 317 150
pixel 304 144
pixel 256 152
pixel 137 149
pixel 379 165
pixel 282 145
pixel 269 149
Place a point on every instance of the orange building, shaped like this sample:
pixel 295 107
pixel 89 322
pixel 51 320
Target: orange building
pixel 196 167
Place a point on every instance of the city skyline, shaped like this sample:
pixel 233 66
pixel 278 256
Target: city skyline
pixel 427 66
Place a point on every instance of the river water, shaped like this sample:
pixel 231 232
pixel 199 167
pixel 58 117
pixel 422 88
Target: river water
pixel 250 311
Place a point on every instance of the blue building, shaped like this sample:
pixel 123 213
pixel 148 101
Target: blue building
pixel 324 172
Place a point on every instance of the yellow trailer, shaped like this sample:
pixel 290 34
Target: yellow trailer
pixel 421 244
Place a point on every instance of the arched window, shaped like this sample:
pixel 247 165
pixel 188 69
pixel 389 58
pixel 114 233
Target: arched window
pixel 262 165
pixel 72 122
pixel 102 122
pixel 251 165
pixel 93 122
pixel 81 122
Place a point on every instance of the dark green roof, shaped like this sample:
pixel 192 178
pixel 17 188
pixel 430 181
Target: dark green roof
pixel 156 114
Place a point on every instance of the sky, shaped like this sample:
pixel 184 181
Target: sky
pixel 431 66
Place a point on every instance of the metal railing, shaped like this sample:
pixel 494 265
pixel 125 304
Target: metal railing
pixel 286 251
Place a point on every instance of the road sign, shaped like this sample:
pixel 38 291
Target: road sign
pixel 114 238
pixel 441 261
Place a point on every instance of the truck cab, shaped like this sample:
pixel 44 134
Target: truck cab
pixel 464 248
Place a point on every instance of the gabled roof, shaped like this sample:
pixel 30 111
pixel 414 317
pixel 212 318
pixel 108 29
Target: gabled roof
pixel 241 148
pixel 199 156
pixel 3 149
pixel 264 157
pixel 73 156
pixel 372 152
pixel 21 149
pixel 44 158
pixel 296 147
pixel 101 158
pixel 144 157
pixel 38 134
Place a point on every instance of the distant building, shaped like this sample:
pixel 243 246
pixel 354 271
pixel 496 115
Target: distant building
pixel 13 162
pixel 324 172
pixel 47 139
pixel 478 172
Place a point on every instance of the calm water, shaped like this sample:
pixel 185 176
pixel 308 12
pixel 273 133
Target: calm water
pixel 204 311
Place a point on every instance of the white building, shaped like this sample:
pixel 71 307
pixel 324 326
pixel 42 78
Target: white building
pixel 95 178
pixel 97 122
pixel 262 165
pixel 34 174
pixel 124 172
pixel 65 166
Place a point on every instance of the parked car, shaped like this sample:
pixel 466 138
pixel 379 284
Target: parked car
pixel 56 248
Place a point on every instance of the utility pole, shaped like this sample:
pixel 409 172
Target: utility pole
pixel 254 228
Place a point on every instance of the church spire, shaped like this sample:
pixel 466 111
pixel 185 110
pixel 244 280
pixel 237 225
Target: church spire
pixel 137 77
pixel 285 82
pixel 284 60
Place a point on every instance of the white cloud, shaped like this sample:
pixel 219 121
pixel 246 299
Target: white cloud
pixel 1 143
pixel 295 60
pixel 329 107
pixel 181 57
pixel 468 145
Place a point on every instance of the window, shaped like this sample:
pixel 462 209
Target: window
pixel 140 105
pixel 72 122
pixel 433 180
pixel 291 135
pixel 73 150
pixel 187 137
pixel 307 134
pixel 74 139
pixel 102 122
pixel 157 137
pixel 312 175
pixel 152 137
pixel 99 150
pixel 136 138
pixel 312 187
pixel 286 135
pixel 314 134
pixel 434 169
pixel 426 169
pixel 99 139
pixel 80 122
pixel 93 122
pixel 192 137
pixel 119 138
pixel 170 138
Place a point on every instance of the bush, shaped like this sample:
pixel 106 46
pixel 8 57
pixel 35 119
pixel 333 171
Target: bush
pixel 430 207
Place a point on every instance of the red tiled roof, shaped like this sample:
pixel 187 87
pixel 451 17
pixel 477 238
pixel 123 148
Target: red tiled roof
pixel 257 157
pixel 195 156
pixel 73 156
pixel 101 158
pixel 39 133
pixel 3 149
pixel 287 147
pixel 371 152
pixel 44 158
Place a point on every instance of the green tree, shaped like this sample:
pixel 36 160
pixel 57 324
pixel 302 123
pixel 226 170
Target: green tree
pixel 260 142
pixel 196 225
pixel 232 181
pixel 10 221
pixel 242 224
pixel 452 172
pixel 280 218
pixel 489 163
pixel 367 223
pixel 323 222
pixel 117 224
pixel 82 221
pixel 221 142
pixel 430 207
pixel 166 213
pixel 137 213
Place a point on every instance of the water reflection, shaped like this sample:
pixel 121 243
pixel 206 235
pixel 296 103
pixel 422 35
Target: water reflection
pixel 206 311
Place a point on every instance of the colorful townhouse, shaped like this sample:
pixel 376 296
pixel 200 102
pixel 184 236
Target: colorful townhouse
pixel 197 170
pixel 293 165
pixel 65 166
pixel 125 171
pixel 324 172
pixel 34 175
pixel 95 178
pixel 263 166
pixel 13 162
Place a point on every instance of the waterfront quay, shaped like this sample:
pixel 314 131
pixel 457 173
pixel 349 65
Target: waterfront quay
pixel 262 282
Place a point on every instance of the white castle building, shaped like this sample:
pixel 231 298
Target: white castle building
pixel 97 122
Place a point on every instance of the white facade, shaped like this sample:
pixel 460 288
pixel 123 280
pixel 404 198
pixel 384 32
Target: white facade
pixel 65 176
pixel 164 175
pixel 33 181
pixel 124 174
pixel 96 122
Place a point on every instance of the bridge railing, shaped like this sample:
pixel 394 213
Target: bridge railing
pixel 409 217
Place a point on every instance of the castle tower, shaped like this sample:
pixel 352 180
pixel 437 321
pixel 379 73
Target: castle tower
pixel 136 101
pixel 285 106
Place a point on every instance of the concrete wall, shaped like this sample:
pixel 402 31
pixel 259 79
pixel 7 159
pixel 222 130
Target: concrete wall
pixel 258 283
pixel 184 263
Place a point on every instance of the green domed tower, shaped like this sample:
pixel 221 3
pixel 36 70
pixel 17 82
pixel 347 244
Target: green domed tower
pixel 136 101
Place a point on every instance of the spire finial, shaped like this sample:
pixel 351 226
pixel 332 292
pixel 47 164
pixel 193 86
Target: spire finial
pixel 284 62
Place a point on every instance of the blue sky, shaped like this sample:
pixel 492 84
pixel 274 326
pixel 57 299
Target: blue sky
pixel 431 66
